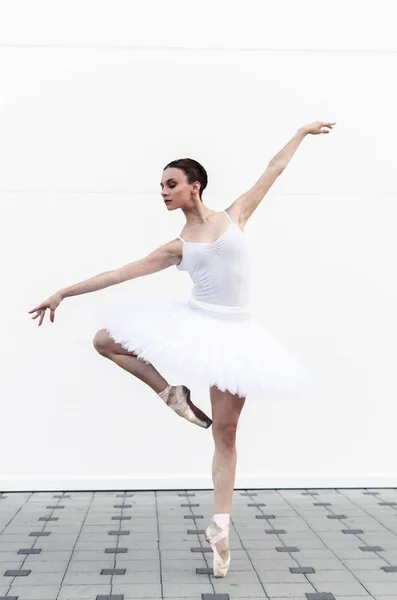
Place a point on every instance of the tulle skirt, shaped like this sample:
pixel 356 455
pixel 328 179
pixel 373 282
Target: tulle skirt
pixel 230 350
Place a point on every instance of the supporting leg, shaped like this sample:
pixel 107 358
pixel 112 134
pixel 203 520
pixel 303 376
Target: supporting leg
pixel 226 410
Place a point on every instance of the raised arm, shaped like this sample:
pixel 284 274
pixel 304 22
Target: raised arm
pixel 245 204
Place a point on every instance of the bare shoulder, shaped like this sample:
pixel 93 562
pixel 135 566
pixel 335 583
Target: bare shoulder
pixel 167 254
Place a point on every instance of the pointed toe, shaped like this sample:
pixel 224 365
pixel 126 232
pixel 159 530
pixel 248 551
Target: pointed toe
pixel 180 402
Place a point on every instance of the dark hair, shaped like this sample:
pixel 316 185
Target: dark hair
pixel 193 170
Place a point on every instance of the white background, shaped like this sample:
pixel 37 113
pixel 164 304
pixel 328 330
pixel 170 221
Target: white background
pixel 96 97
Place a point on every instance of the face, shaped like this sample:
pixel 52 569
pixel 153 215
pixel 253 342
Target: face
pixel 175 188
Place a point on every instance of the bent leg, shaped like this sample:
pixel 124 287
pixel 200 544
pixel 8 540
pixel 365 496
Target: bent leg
pixel 106 346
pixel 176 397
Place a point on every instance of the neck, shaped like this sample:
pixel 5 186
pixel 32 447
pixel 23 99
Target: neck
pixel 199 213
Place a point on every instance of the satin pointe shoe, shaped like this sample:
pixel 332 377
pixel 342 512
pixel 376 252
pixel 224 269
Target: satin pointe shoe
pixel 213 534
pixel 179 400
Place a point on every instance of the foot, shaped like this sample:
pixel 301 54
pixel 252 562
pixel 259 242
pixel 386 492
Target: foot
pixel 223 545
pixel 219 540
pixel 179 400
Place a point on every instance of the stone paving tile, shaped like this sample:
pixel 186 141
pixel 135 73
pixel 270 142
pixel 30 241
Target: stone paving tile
pixel 44 592
pixel 346 539
pixel 192 590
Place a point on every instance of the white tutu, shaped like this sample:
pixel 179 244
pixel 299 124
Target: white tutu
pixel 231 351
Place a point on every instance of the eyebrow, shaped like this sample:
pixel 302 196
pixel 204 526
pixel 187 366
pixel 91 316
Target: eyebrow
pixel 168 180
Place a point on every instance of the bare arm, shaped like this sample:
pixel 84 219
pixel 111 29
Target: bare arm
pixel 98 282
pixel 245 204
pixel 163 257
pixel 282 158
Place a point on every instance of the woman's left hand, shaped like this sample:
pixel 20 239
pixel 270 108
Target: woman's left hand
pixel 316 127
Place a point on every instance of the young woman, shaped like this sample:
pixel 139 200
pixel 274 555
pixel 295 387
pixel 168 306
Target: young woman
pixel 212 336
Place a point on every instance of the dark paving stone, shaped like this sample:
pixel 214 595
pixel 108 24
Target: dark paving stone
pixel 49 519
pixel 121 532
pixel 196 531
pixel 17 573
pixel 215 597
pixel 55 507
pixel 121 518
pixel 184 495
pixel 193 517
pixel 113 571
pixel 40 533
pixel 253 504
pixel 275 531
pixel 371 493
pixel 352 531
pixel 3 497
pixel 247 494
pixel 29 551
pixel 320 596
pixel 322 504
pixel 122 506
pixel 8 597
pixel 200 549
pixel 61 496
pixel 287 549
pixel 371 548
pixel 116 550
pixel 387 503
pixel 124 495
pixel 302 570
pixel 265 516
pixel 389 569
pixel 114 597
pixel 310 493
pixel 204 571
pixel 192 505
pixel 336 517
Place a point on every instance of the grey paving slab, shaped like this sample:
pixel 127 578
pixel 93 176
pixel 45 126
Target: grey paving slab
pixel 82 592
pixel 43 592
pixel 295 544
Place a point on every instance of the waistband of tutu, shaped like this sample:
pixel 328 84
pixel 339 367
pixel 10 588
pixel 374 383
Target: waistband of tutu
pixel 220 308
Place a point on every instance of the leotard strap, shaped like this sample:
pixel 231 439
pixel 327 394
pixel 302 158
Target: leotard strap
pixel 228 216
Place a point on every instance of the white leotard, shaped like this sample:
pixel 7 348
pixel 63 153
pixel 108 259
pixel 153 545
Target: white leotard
pixel 220 270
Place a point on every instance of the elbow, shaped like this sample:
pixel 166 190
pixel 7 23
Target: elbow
pixel 279 167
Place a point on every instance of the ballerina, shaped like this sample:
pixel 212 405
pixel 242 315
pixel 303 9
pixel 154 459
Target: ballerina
pixel 211 337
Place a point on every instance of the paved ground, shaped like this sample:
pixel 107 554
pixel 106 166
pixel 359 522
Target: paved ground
pixel 320 544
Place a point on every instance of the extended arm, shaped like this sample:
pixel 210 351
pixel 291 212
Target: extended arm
pixel 245 204
pixel 282 158
pixel 161 258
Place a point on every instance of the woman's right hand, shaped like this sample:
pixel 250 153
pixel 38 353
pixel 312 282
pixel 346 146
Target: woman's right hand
pixel 52 303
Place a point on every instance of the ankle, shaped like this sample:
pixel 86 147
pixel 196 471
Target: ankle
pixel 164 395
pixel 222 520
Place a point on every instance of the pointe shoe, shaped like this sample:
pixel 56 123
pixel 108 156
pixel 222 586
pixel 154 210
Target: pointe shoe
pixel 212 536
pixel 179 401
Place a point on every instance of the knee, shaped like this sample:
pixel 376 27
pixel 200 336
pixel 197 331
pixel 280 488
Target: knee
pixel 101 341
pixel 225 436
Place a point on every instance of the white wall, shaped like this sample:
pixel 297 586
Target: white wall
pixel 96 98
